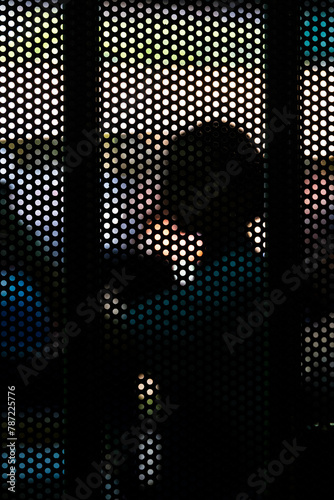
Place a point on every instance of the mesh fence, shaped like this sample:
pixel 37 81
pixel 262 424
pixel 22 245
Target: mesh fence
pixel 161 169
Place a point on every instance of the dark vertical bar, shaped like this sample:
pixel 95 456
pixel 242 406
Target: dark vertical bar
pixel 82 240
pixel 283 232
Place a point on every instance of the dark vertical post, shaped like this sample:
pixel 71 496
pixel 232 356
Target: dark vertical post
pixel 82 242
pixel 283 230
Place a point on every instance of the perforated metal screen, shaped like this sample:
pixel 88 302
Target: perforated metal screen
pixel 177 97
pixel 166 250
pixel 316 91
pixel 32 245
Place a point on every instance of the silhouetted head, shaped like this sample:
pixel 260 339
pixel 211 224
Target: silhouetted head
pixel 215 181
